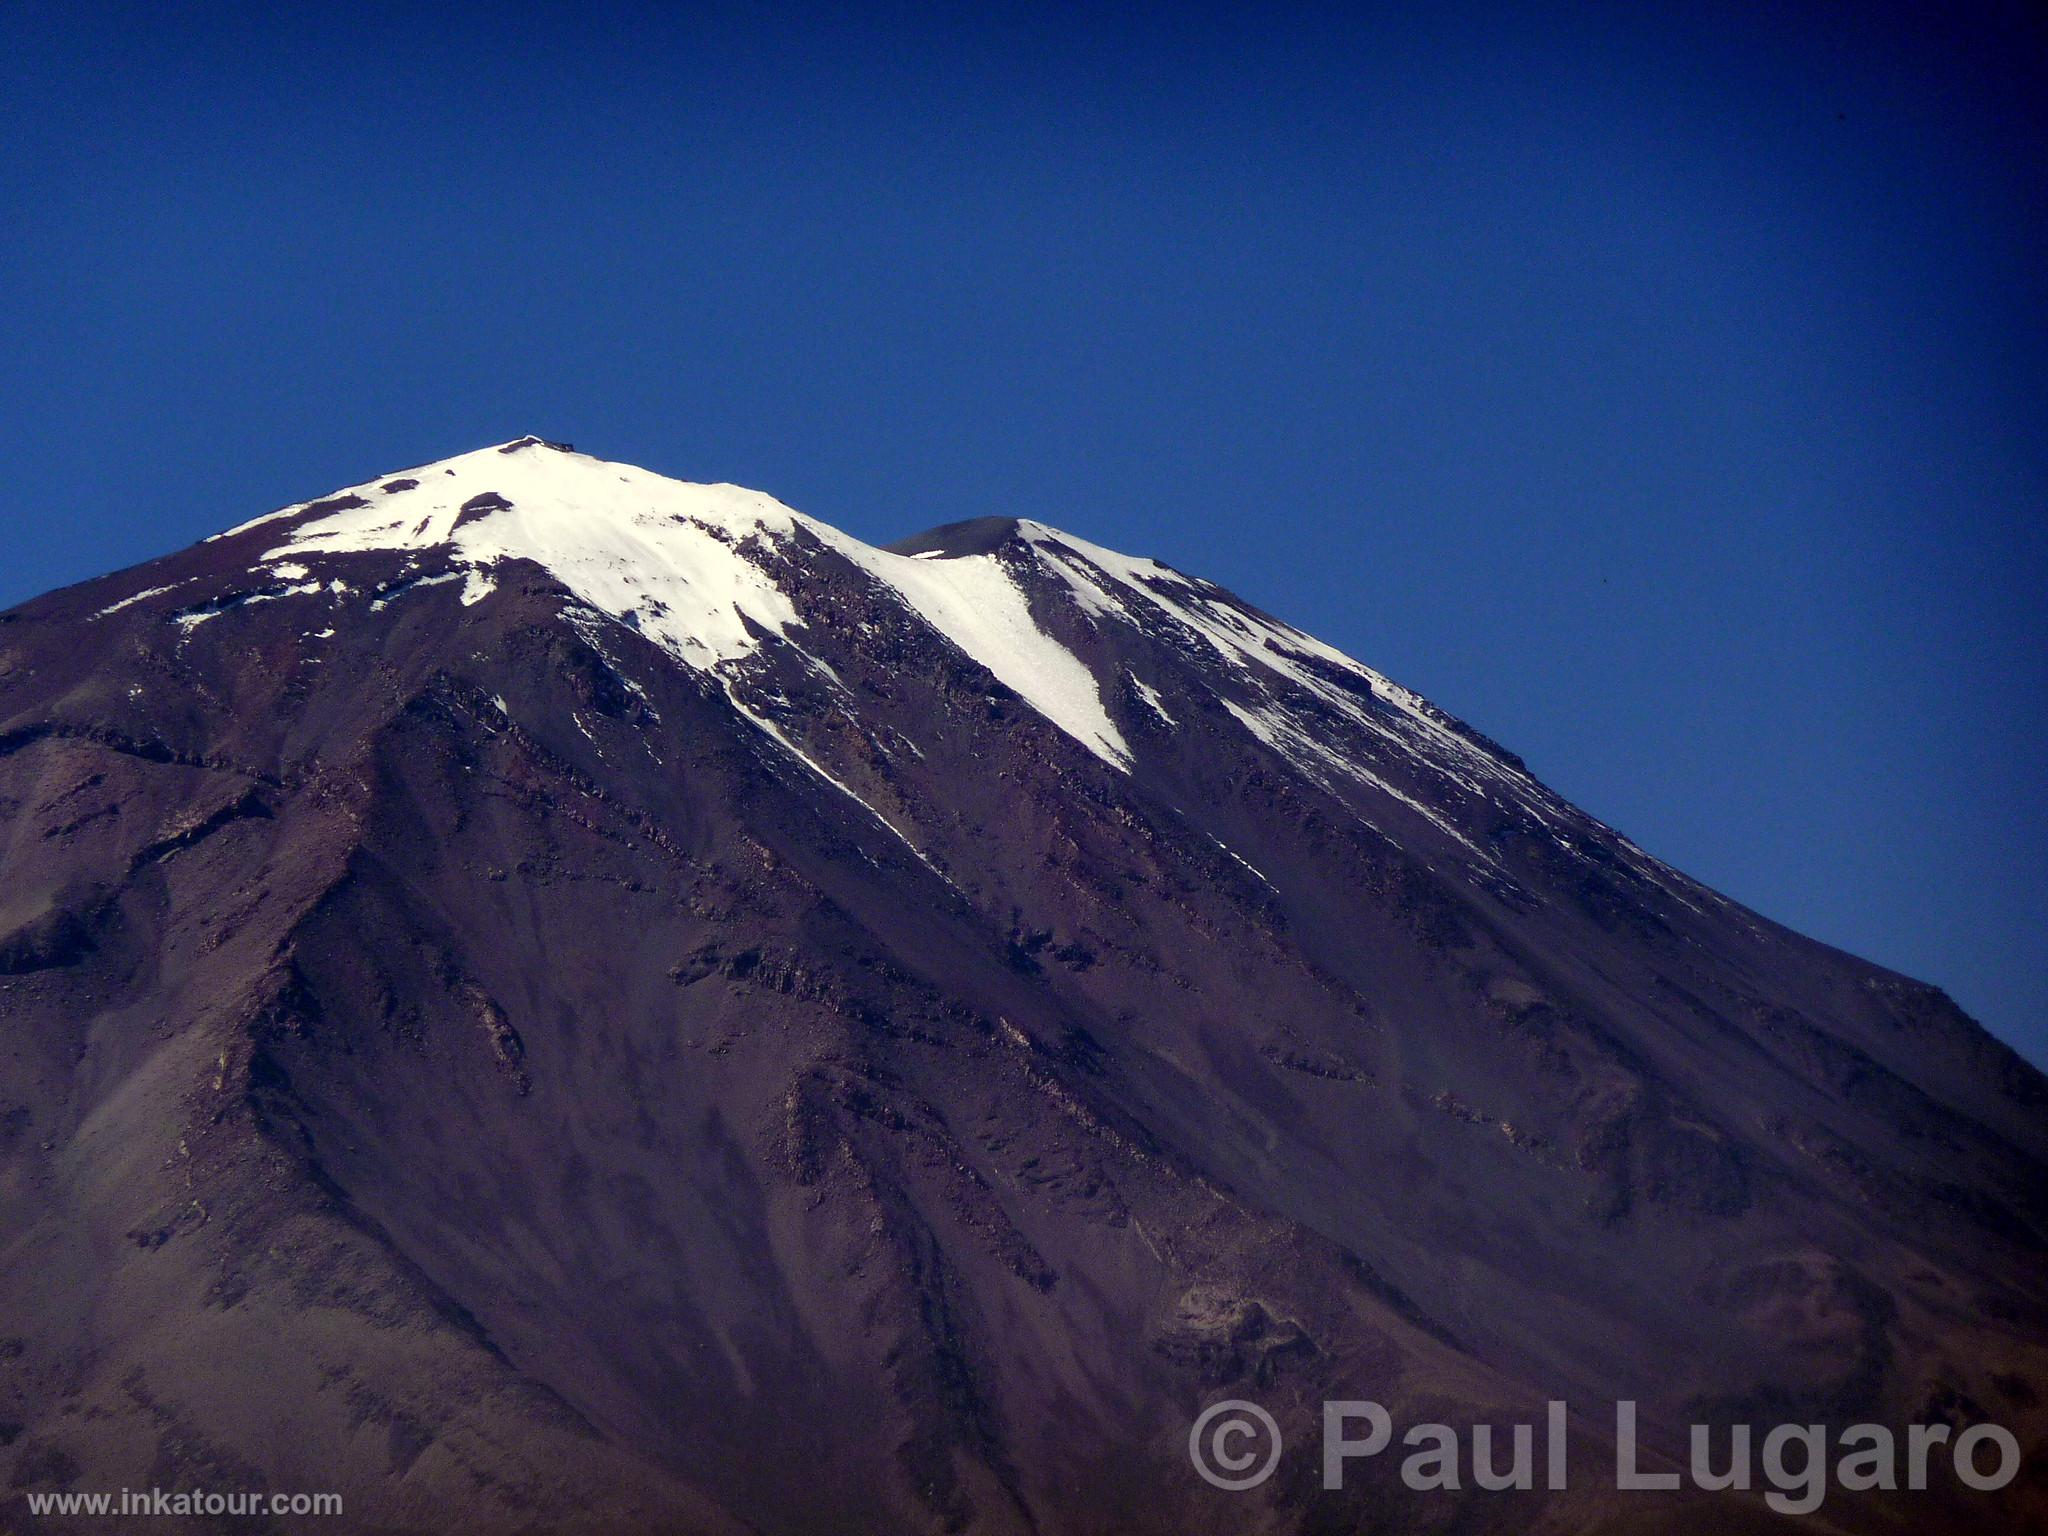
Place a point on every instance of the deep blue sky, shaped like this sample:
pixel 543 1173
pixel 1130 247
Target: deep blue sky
pixel 1667 396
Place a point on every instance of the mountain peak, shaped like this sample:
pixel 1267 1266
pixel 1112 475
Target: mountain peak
pixel 575 494
pixel 713 572
pixel 720 576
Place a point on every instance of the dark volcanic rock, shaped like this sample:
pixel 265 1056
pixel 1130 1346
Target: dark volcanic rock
pixel 539 998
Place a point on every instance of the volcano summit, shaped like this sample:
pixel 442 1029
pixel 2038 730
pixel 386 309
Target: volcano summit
pixel 540 997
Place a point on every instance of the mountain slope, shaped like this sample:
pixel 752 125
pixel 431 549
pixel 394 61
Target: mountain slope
pixel 540 997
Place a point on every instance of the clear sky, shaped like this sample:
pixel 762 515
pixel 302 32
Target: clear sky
pixel 1662 388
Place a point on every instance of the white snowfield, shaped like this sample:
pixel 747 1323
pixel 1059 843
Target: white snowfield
pixel 692 568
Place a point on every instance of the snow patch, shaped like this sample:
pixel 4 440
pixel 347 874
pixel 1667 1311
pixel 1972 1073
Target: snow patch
pixel 1326 767
pixel 138 597
pixel 1151 697
pixel 976 603
pixel 1105 582
pixel 391 595
pixel 192 618
pixel 1247 863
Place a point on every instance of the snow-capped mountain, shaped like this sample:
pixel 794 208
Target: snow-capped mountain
pixel 546 996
